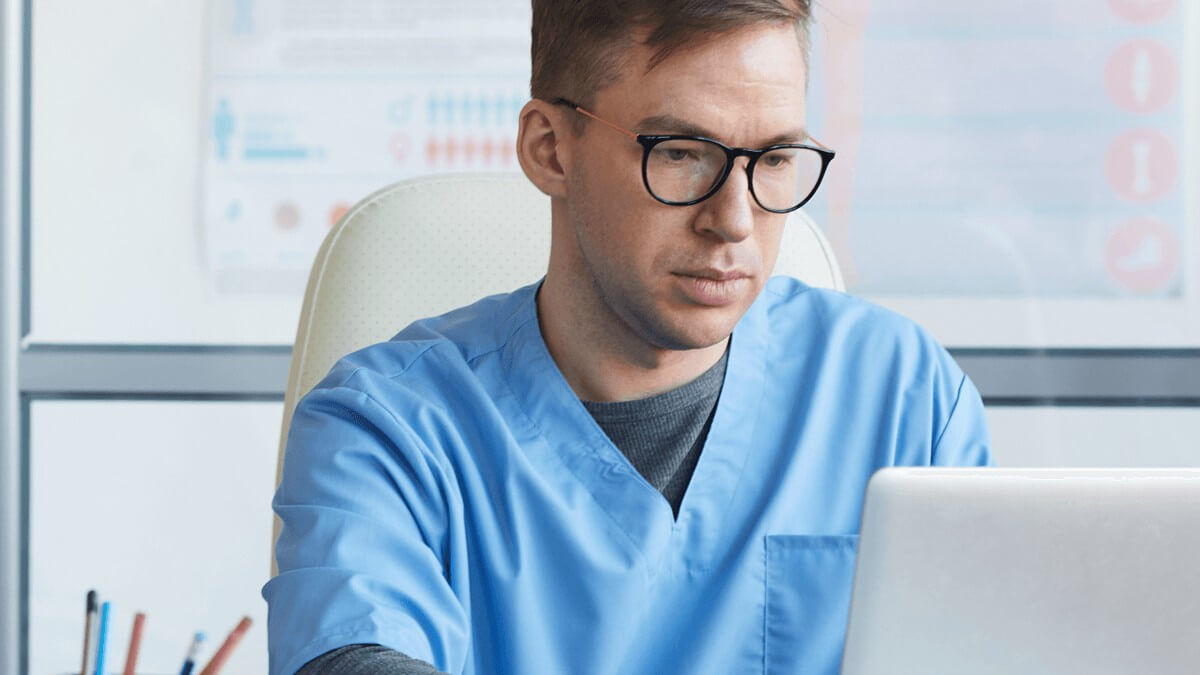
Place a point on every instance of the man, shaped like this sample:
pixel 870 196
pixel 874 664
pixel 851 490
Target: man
pixel 654 460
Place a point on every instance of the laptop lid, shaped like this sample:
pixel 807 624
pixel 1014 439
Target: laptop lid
pixel 981 571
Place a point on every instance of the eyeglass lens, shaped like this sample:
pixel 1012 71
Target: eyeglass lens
pixel 685 170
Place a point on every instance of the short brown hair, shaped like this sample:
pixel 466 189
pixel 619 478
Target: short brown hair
pixel 578 45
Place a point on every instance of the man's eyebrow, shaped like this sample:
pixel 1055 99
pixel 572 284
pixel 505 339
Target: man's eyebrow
pixel 669 124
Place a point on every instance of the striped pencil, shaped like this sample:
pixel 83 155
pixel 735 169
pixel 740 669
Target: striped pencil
pixel 89 619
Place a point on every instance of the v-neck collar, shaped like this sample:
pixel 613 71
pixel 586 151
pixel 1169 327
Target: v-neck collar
pixel 636 507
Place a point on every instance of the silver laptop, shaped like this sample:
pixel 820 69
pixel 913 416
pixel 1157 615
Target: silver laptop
pixel 1020 572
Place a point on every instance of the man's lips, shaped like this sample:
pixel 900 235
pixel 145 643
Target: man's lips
pixel 713 287
pixel 714 274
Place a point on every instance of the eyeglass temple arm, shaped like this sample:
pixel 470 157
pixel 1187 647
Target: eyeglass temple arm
pixel 820 145
pixel 579 109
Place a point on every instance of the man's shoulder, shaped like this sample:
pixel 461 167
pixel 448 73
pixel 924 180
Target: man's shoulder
pixel 439 346
pixel 792 305
pixel 858 334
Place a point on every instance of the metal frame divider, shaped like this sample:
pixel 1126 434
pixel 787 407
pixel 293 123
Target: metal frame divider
pixel 1011 377
pixel 13 408
pixel 14 29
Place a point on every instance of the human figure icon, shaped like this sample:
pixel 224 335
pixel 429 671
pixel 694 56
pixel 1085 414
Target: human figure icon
pixel 243 17
pixel 223 126
pixel 401 110
pixel 500 108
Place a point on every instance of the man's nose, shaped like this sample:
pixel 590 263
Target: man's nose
pixel 729 214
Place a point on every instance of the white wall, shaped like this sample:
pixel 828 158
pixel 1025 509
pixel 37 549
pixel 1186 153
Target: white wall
pixel 161 507
pixel 117 132
pixel 1095 437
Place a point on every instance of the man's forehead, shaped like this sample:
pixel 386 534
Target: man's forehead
pixel 764 63
pixel 654 54
pixel 744 87
pixel 793 130
pixel 747 44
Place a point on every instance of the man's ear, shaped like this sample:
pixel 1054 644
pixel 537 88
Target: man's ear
pixel 543 146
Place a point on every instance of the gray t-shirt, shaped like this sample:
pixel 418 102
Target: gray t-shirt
pixel 661 436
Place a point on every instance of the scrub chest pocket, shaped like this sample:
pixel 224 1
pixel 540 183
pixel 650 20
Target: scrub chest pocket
pixel 807 602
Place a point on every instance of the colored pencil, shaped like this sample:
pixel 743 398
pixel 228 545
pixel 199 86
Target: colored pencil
pixel 102 638
pixel 189 662
pixel 135 643
pixel 88 619
pixel 222 655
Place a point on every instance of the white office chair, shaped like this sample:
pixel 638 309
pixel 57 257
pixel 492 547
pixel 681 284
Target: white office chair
pixel 424 246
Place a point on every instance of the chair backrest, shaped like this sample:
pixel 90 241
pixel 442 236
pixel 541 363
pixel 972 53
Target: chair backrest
pixel 422 247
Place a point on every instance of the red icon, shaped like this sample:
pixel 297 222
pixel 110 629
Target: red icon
pixel 337 212
pixel 1142 11
pixel 431 152
pixel 1142 165
pixel 398 146
pixel 287 216
pixel 1142 76
pixel 1142 255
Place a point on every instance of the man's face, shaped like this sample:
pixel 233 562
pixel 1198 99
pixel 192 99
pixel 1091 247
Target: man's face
pixel 680 277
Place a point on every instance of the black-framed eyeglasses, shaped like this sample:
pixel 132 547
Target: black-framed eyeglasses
pixel 682 170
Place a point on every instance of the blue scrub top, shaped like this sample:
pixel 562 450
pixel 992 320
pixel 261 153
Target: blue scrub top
pixel 446 494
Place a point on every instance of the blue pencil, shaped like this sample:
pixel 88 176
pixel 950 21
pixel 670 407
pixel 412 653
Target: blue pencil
pixel 190 661
pixel 102 638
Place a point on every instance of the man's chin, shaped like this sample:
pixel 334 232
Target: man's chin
pixel 692 332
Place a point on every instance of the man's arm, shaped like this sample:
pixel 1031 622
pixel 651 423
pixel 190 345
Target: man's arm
pixel 366 660
pixel 964 439
pixel 367 510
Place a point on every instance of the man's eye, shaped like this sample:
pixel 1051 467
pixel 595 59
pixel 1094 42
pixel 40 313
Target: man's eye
pixel 676 154
pixel 776 161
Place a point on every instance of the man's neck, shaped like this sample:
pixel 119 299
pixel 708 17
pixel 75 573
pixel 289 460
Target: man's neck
pixel 602 366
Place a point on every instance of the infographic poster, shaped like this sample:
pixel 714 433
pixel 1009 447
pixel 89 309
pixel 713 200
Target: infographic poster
pixel 986 149
pixel 999 149
pixel 314 104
